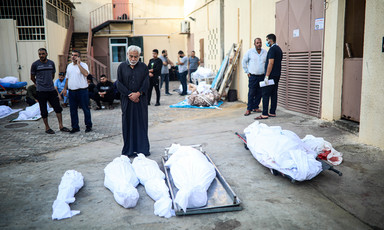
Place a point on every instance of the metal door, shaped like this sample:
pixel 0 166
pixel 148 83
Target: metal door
pixel 118 54
pixel 300 35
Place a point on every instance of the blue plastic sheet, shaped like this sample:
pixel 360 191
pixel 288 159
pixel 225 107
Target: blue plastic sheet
pixel 184 104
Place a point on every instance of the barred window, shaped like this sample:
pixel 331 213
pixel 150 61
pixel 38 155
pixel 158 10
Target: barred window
pixel 52 13
pixel 29 16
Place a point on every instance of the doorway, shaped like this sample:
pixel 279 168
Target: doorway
pixel 118 51
pixel 353 59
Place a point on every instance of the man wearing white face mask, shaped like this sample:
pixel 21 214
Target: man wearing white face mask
pixel 272 71
pixel 132 83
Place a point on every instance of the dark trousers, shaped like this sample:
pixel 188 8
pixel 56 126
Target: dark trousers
pixel 30 101
pixel 48 96
pixel 165 77
pixel 183 81
pixel 79 98
pixel 154 83
pixel 191 71
pixel 254 91
pixel 270 92
pixel 109 97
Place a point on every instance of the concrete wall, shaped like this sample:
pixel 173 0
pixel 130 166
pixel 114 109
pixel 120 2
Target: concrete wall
pixel 243 20
pixel 333 60
pixel 160 34
pixel 55 42
pixel 28 53
pixel 8 58
pixel 372 100
pixel 81 13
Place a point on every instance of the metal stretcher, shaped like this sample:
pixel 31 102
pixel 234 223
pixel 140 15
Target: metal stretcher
pixel 324 164
pixel 12 92
pixel 221 197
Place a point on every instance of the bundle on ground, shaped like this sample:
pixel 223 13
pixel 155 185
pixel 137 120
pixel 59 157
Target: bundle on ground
pixel 71 182
pixel 282 150
pixel 192 174
pixel 121 179
pixel 152 178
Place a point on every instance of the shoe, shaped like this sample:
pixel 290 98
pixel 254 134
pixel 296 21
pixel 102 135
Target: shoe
pixel 74 130
pixel 88 129
pixel 260 117
pixel 168 93
pixel 65 129
pixel 50 131
pixel 98 108
pixel 157 104
pixel 110 107
pixel 247 113
pixel 272 115
pixel 257 110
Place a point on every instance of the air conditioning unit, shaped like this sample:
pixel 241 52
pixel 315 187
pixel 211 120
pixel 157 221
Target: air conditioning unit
pixel 185 27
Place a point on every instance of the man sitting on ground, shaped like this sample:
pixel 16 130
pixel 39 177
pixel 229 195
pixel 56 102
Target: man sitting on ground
pixel 31 97
pixel 59 86
pixel 105 92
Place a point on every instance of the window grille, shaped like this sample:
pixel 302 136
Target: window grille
pixel 29 16
pixel 58 12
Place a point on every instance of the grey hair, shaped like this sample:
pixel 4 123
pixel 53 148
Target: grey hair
pixel 134 48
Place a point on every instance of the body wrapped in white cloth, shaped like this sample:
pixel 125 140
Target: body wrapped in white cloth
pixel 192 174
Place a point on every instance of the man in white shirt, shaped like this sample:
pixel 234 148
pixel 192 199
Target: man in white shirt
pixel 77 84
pixel 253 65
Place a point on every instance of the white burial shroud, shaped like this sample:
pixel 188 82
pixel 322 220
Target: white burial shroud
pixel 192 174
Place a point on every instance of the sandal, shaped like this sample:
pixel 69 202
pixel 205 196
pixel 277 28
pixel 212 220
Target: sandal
pixel 272 115
pixel 247 113
pixel 65 129
pixel 260 117
pixel 50 131
pixel 257 110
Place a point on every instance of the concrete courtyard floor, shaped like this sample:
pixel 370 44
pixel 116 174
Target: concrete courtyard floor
pixel 32 164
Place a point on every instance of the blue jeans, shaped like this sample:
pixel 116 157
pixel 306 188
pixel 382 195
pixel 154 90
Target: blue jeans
pixel 183 81
pixel 79 98
pixel 254 91
pixel 165 77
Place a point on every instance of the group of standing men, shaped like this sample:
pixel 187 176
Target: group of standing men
pixel 42 75
pixel 262 66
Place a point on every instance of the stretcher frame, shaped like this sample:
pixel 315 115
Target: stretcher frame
pixel 221 197
pixel 324 164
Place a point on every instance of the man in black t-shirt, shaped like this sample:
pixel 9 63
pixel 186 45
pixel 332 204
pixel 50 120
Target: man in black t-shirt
pixel 105 92
pixel 42 75
pixel 154 66
pixel 272 71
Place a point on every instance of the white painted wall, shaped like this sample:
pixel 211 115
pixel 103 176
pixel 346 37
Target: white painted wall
pixel 8 58
pixel 372 99
pixel 55 42
pixel 28 53
pixel 333 60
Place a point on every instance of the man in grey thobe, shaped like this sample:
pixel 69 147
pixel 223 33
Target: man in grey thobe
pixel 133 83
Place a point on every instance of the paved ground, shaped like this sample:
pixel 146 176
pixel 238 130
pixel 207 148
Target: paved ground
pixel 33 162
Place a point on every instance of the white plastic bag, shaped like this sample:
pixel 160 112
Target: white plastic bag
pixel 282 150
pixel 192 174
pixel 150 175
pixel 121 179
pixel 31 112
pixel 70 184
pixel 9 79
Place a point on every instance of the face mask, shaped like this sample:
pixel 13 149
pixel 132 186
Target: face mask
pixel 267 44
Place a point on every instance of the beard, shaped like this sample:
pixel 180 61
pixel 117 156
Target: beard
pixel 132 62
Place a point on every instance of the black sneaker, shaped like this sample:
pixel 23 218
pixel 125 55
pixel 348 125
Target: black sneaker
pixel 157 104
pixel 74 130
pixel 88 129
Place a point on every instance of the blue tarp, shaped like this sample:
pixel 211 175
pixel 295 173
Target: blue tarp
pixel 184 104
